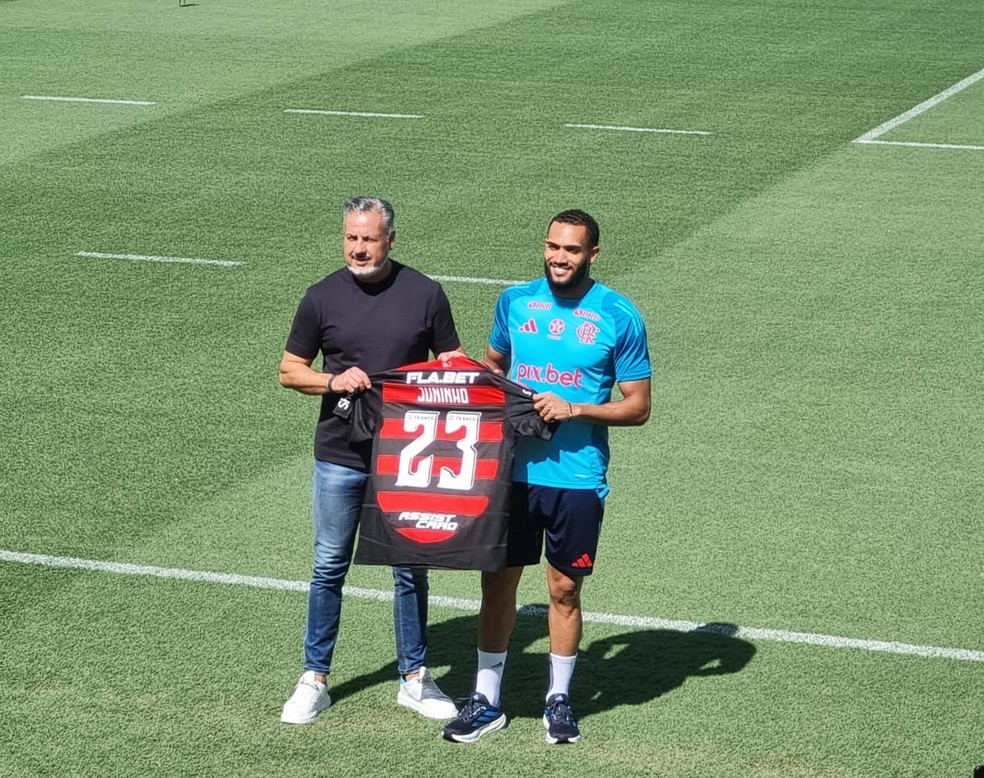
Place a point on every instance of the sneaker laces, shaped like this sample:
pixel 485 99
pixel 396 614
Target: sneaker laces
pixel 471 708
pixel 559 711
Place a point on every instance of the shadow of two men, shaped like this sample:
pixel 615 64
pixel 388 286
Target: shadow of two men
pixel 630 668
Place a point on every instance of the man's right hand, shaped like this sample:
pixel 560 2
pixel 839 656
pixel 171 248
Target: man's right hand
pixel 351 381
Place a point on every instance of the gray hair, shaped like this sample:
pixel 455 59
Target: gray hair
pixel 363 204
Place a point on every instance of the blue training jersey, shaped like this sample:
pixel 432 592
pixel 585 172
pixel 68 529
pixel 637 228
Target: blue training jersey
pixel 578 349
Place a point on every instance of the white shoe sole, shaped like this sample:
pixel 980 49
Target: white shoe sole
pixel 286 718
pixel 493 726
pixel 556 740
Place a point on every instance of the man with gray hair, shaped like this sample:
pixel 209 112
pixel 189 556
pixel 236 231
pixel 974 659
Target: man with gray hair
pixel 371 316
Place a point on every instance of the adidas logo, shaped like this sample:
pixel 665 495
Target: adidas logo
pixel 583 561
pixel 530 326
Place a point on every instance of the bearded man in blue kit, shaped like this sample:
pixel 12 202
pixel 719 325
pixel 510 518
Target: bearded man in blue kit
pixel 572 340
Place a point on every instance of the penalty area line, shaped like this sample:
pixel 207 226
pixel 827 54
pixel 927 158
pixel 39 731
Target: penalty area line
pixel 641 622
pixel 914 144
pixel 152 258
pixel 86 100
pixel 469 280
pixel 924 106
pixel 636 129
pixel 361 114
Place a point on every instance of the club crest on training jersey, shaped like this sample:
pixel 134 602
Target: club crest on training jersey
pixel 587 333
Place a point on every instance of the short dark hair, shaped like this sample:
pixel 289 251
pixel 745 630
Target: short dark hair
pixel 580 218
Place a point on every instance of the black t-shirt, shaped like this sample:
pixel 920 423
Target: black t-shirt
pixel 376 327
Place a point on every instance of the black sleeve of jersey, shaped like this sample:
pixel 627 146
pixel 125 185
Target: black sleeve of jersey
pixel 361 412
pixel 522 416
pixel 305 333
pixel 525 421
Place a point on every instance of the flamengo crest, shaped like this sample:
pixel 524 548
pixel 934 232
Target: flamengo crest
pixel 586 333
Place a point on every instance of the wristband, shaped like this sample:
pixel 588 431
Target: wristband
pixel 331 380
pixel 570 405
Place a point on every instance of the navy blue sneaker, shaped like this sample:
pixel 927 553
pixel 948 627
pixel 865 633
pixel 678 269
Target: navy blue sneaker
pixel 477 718
pixel 559 720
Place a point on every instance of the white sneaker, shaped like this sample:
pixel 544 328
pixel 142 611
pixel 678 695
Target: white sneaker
pixel 424 696
pixel 310 697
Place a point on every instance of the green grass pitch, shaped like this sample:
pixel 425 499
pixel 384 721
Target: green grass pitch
pixel 814 460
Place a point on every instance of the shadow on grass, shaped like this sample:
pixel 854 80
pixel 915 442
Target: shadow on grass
pixel 635 667
pixel 630 668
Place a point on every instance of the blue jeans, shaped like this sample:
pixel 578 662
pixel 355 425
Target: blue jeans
pixel 338 493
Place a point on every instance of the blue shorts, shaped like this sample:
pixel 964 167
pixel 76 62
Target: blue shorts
pixel 569 518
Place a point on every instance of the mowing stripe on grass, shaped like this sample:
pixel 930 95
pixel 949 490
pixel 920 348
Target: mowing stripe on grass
pixel 86 100
pixel 635 129
pixel 468 280
pixel 924 106
pixel 645 622
pixel 364 114
pixel 152 258
pixel 918 145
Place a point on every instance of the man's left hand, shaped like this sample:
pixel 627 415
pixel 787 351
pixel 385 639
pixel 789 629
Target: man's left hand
pixel 447 356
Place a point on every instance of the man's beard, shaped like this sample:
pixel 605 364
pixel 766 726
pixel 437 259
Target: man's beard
pixel 576 278
pixel 370 272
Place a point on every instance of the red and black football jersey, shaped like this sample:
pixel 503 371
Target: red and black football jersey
pixel 441 467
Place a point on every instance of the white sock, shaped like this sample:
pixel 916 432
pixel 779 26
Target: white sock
pixel 561 670
pixel 489 676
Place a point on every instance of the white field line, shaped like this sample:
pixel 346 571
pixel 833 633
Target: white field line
pixel 487 281
pixel 363 114
pixel 86 100
pixel 228 263
pixel 152 258
pixel 924 106
pixel 636 129
pixel 918 145
pixel 645 622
